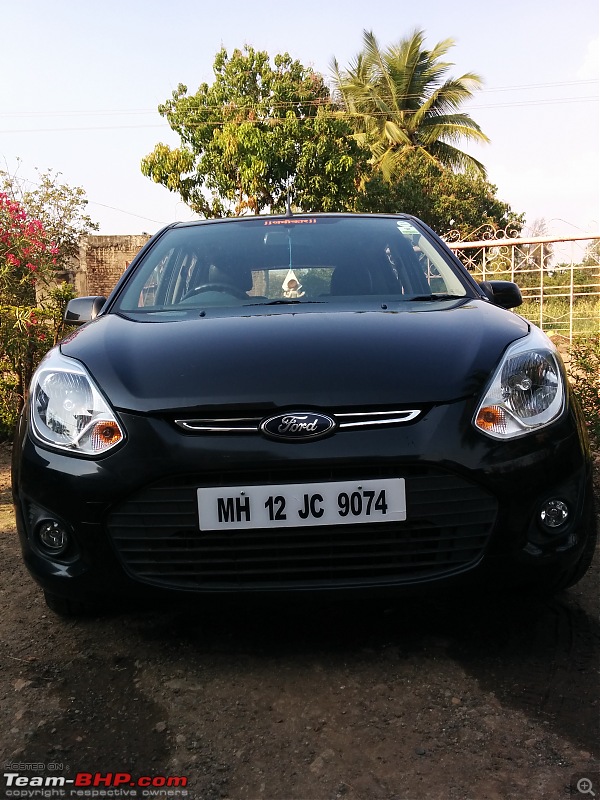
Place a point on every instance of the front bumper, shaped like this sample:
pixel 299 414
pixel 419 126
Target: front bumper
pixel 472 507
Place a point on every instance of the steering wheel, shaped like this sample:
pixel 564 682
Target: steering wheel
pixel 225 288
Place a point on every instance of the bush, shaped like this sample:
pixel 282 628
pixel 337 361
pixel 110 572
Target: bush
pixel 31 305
pixel 27 333
pixel 584 372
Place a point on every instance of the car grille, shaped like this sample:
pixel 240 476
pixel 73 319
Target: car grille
pixel 156 535
pixel 250 423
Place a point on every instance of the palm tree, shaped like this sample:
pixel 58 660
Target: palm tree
pixel 400 101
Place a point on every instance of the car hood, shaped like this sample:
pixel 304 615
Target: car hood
pixel 431 353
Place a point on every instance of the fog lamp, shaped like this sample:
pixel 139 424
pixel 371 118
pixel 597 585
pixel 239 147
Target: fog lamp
pixel 554 513
pixel 53 537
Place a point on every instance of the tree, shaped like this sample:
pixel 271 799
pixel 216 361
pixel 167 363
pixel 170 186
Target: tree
pixel 27 257
pixel 440 197
pixel 399 101
pixel 257 131
pixel 60 209
pixel 39 232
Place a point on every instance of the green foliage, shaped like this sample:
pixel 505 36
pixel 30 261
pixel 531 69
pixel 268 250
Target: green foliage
pixel 405 109
pixel 443 199
pixel 584 373
pixel 257 129
pixel 32 251
pixel 399 99
pixel 26 334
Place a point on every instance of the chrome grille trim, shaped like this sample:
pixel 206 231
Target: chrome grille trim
pixel 220 425
pixel 358 419
pixel 346 419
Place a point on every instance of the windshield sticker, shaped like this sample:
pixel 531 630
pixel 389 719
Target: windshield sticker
pixel 407 228
pixel 290 221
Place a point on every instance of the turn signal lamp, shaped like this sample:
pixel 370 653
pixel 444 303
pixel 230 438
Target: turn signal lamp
pixel 105 434
pixel 491 419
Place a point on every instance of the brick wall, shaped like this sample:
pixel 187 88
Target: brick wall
pixel 102 261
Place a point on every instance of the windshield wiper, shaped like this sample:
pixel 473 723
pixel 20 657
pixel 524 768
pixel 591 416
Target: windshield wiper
pixel 438 296
pixel 284 302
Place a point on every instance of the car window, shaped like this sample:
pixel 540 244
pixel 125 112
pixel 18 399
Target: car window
pixel 289 260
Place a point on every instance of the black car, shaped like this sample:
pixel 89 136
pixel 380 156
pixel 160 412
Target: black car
pixel 300 404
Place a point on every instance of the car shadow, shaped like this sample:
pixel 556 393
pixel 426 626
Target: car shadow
pixel 539 655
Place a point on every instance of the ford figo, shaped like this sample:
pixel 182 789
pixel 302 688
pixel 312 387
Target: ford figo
pixel 300 404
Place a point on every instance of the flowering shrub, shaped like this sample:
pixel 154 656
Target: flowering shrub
pixel 30 306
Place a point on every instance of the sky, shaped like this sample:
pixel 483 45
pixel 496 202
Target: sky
pixel 80 83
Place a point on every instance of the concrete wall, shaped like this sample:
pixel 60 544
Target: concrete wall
pixel 102 261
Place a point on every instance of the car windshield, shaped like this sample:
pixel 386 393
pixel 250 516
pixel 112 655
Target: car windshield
pixel 292 260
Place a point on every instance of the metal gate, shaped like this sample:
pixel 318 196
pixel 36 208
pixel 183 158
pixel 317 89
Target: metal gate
pixel 559 277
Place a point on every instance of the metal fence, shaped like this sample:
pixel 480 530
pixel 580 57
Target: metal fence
pixel 559 277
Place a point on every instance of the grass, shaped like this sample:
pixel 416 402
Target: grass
pixel 7 517
pixel 557 315
pixel 565 301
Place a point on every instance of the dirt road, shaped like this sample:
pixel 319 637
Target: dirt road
pixel 464 698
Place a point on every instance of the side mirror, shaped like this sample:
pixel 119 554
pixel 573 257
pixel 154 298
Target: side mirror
pixel 83 309
pixel 502 293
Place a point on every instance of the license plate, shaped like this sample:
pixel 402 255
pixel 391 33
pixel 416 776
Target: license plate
pixel 293 505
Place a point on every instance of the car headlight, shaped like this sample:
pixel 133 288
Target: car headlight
pixel 526 392
pixel 67 410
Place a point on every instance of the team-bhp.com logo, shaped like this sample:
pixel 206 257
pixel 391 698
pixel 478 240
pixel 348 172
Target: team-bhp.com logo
pixel 95 784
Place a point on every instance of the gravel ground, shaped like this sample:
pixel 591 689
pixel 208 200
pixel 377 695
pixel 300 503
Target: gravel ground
pixel 478 698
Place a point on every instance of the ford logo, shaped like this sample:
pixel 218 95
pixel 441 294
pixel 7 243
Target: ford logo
pixel 297 426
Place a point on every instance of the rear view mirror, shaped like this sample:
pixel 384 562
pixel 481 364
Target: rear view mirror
pixel 502 293
pixel 83 309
